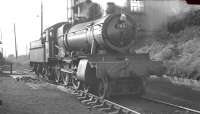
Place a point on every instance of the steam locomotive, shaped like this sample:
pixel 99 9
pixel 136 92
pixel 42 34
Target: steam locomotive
pixel 94 56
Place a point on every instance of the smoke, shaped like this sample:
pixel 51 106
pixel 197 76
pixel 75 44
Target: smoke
pixel 158 12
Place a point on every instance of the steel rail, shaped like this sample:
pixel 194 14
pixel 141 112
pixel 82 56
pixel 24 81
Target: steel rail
pixel 103 104
pixel 170 104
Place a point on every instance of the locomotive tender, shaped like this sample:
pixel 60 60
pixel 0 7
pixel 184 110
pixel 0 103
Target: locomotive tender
pixel 94 56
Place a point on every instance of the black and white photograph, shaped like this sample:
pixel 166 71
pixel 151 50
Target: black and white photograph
pixel 99 57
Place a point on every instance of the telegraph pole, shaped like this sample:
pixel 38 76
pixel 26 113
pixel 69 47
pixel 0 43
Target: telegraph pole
pixel 43 42
pixel 67 10
pixel 16 53
pixel 1 42
pixel 1 37
pixel 41 18
pixel 26 50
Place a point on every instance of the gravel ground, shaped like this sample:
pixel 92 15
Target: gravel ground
pixel 147 107
pixel 21 98
pixel 177 94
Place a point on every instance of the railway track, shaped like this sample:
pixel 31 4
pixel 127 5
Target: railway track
pixel 172 105
pixel 102 104
pixel 128 105
pixel 111 107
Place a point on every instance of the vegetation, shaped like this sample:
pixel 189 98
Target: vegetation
pixel 179 46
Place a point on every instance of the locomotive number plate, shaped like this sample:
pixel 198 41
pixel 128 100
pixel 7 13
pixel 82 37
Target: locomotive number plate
pixel 121 26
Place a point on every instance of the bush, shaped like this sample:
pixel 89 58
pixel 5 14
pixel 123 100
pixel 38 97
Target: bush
pixel 175 24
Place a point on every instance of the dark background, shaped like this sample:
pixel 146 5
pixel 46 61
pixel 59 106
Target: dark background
pixel 193 1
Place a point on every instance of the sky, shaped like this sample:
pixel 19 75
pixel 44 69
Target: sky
pixel 26 16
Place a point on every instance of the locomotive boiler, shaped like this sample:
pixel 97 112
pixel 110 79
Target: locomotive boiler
pixel 113 32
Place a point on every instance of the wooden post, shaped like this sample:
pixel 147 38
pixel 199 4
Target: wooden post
pixel 1 37
pixel 1 102
pixel 11 68
pixel 67 10
pixel 41 18
pixel 43 42
pixel 16 53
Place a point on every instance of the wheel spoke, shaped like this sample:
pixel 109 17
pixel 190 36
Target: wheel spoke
pixel 75 83
pixel 66 79
pixel 104 88
pixel 57 74
pixel 85 88
pixel 46 74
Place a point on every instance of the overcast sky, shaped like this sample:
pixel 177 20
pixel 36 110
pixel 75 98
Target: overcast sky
pixel 26 15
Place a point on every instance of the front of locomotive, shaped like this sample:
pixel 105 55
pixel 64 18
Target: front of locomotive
pixel 114 33
pixel 111 35
pixel 119 32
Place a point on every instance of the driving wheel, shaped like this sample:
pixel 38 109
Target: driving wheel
pixel 104 88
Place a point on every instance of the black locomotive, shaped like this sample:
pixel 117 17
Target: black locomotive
pixel 94 56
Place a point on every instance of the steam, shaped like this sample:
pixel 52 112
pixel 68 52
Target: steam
pixel 158 12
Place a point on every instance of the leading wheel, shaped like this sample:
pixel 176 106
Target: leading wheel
pixel 104 88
